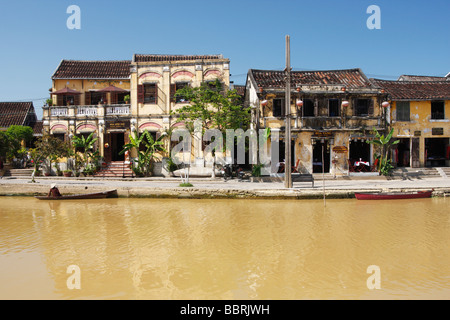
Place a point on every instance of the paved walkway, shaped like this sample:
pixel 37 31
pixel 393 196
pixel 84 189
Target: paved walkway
pixel 169 187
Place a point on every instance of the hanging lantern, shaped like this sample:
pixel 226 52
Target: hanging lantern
pixel 345 104
pixel 299 103
pixel 264 103
pixel 343 89
pixel 385 104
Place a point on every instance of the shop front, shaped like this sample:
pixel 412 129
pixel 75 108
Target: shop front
pixel 115 138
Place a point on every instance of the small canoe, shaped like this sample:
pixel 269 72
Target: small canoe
pixel 96 195
pixel 393 195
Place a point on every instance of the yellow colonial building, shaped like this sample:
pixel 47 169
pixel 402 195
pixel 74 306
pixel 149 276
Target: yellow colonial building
pixel 114 99
pixel 419 114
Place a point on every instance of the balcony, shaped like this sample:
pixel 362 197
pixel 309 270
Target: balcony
pixel 118 110
pixel 59 112
pixel 87 111
pixel 320 122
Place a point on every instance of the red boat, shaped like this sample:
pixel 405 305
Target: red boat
pixel 393 195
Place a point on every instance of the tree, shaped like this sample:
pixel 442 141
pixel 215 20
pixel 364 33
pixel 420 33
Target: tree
pixel 14 140
pixel 87 145
pixel 147 156
pixel 213 107
pixel 4 144
pixel 385 144
pixel 52 148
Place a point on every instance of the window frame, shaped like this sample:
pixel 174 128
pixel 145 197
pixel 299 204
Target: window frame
pixel 401 116
pixel 337 108
pixel 305 102
pixel 357 107
pixel 433 114
pixel 180 99
pixel 282 105
pixel 153 99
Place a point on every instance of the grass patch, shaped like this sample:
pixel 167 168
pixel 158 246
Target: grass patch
pixel 188 185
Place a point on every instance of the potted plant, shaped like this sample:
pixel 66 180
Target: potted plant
pixel 67 173
pixel 49 102
pixel 126 99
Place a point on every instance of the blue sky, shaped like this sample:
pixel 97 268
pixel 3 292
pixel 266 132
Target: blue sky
pixel 325 34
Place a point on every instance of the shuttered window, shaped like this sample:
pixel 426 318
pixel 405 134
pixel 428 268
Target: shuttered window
pixel 363 107
pixel 150 93
pixel 403 111
pixel 140 98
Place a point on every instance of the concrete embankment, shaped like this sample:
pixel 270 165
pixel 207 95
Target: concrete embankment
pixel 216 189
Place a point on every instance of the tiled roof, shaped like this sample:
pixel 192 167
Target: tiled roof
pixel 350 78
pixel 415 90
pixel 37 128
pixel 170 57
pixel 76 69
pixel 240 89
pixel 15 113
pixel 421 78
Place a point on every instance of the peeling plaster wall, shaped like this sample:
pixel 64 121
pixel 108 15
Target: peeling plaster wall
pixel 420 120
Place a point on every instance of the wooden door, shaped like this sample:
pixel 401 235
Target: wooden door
pixel 415 153
pixel 107 146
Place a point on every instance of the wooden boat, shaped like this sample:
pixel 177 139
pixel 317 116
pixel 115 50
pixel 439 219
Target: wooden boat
pixel 393 195
pixel 96 195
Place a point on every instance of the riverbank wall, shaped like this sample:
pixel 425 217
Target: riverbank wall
pixel 207 189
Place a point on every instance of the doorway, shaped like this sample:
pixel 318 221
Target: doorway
pixel 117 143
pixel 437 152
pixel 282 154
pixel 402 153
pixel 359 149
pixel 317 156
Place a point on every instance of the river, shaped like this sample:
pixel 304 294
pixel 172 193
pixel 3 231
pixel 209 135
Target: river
pixel 224 249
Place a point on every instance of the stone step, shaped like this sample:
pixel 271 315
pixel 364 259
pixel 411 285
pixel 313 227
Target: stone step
pixel 19 172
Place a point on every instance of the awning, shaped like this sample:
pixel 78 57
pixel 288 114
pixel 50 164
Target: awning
pixel 66 91
pixel 113 89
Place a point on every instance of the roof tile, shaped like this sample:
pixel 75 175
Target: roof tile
pixel 169 57
pixel 415 90
pixel 14 113
pixel 76 69
pixel 351 78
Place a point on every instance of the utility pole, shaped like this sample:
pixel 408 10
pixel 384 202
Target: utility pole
pixel 287 136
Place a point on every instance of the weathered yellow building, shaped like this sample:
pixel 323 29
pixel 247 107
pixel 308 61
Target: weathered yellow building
pixel 154 82
pixel 334 111
pixel 419 115
pixel 91 96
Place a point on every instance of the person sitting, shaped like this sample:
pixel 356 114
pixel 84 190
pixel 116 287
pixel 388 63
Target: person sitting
pixel 54 191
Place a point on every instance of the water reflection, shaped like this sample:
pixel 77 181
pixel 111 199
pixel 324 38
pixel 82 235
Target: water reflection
pixel 220 249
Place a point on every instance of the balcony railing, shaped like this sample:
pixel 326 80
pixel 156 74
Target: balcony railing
pixel 91 110
pixel 87 111
pixel 59 112
pixel 118 110
pixel 321 122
